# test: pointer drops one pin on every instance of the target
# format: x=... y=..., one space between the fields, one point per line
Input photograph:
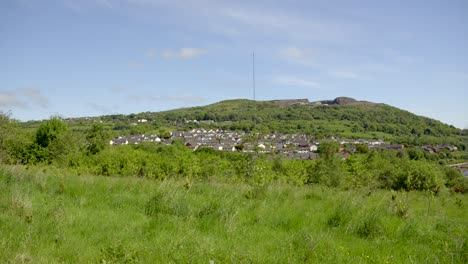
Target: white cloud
x=23 y=98
x=11 y=100
x=293 y=81
x=183 y=53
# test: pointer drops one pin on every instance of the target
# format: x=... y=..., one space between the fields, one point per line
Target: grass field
x=51 y=216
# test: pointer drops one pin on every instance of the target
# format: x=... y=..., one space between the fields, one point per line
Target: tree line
x=88 y=152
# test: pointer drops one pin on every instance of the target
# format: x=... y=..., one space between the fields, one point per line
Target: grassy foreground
x=49 y=216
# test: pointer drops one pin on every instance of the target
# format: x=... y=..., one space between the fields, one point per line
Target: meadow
x=51 y=215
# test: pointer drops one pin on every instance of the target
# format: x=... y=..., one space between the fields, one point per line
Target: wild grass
x=48 y=215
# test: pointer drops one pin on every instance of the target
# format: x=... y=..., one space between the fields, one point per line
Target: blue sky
x=92 y=57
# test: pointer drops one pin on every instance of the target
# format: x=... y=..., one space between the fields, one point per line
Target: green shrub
x=459 y=185
x=424 y=176
x=328 y=172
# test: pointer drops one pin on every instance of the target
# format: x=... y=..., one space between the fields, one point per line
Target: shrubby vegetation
x=89 y=153
x=52 y=215
x=346 y=121
x=67 y=190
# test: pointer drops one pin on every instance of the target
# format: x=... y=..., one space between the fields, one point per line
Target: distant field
x=50 y=216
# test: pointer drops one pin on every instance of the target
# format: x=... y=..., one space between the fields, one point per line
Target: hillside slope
x=342 y=117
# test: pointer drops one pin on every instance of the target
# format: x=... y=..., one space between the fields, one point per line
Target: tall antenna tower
x=253 y=74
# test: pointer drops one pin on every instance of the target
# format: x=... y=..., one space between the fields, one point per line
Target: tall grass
x=49 y=215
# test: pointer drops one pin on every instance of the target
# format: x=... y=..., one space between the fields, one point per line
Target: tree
x=362 y=148
x=52 y=139
x=327 y=149
x=97 y=138
x=13 y=141
x=164 y=133
x=50 y=131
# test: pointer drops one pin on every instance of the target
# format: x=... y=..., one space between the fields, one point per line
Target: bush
x=459 y=185
x=328 y=172
x=424 y=176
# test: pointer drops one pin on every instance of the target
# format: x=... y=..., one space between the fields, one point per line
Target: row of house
x=297 y=146
x=135 y=139
x=439 y=148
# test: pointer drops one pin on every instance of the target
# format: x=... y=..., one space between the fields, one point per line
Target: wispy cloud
x=24 y=98
x=293 y=81
x=298 y=55
x=98 y=108
x=234 y=18
x=183 y=53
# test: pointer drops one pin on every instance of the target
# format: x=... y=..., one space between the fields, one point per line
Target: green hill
x=342 y=117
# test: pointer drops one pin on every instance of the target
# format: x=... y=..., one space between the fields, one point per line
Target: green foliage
x=53 y=141
x=155 y=205
x=424 y=176
x=328 y=172
x=50 y=132
x=164 y=133
x=328 y=149
x=459 y=184
x=117 y=254
x=362 y=148
x=398 y=206
x=370 y=224
x=358 y=175
x=415 y=154
x=348 y=121
x=341 y=215
x=131 y=220
x=13 y=141
x=97 y=138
